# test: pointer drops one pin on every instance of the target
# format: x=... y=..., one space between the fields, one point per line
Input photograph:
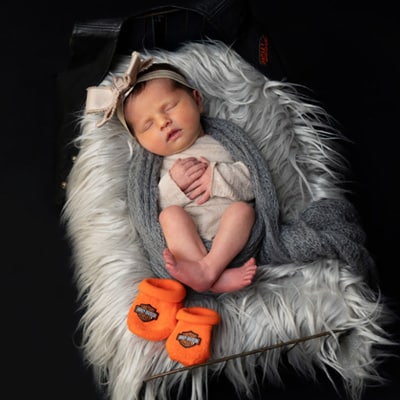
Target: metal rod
x=245 y=354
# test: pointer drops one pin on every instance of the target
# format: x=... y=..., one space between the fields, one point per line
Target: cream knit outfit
x=230 y=182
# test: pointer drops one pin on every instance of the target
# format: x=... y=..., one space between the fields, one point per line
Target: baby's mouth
x=173 y=134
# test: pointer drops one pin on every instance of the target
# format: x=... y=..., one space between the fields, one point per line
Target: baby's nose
x=164 y=121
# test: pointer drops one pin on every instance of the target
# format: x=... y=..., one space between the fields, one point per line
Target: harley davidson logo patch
x=146 y=312
x=188 y=339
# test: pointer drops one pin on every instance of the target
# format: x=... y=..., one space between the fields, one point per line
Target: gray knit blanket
x=326 y=228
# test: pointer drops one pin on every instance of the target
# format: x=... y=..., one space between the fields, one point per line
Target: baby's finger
x=194 y=190
x=194 y=185
x=196 y=169
x=203 y=198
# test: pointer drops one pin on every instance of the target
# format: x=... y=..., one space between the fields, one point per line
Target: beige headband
x=110 y=99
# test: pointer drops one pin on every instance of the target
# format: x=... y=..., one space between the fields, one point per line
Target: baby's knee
x=169 y=213
x=245 y=209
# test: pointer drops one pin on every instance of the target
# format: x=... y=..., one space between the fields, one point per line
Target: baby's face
x=164 y=119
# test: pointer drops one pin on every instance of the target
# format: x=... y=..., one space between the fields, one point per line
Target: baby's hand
x=186 y=171
x=201 y=186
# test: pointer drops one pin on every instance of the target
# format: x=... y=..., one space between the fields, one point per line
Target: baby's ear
x=198 y=98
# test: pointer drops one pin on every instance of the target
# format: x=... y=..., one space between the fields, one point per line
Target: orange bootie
x=189 y=343
x=152 y=315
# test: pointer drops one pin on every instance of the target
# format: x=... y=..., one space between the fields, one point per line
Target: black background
x=347 y=57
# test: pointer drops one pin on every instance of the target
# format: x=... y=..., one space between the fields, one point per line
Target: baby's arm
x=171 y=185
x=229 y=180
x=202 y=185
x=185 y=171
x=232 y=180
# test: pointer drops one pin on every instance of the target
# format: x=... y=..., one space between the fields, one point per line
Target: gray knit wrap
x=326 y=228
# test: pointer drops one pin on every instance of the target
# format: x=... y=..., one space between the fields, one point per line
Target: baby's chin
x=182 y=147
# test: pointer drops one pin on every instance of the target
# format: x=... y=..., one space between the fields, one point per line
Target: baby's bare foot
x=200 y=277
x=235 y=278
x=191 y=273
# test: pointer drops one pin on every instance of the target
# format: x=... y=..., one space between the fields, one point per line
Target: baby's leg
x=195 y=267
x=235 y=278
x=230 y=280
x=232 y=236
x=181 y=234
x=185 y=249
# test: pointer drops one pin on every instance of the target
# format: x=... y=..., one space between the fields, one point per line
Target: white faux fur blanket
x=282 y=304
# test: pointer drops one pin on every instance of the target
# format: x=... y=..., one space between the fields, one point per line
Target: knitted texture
x=327 y=228
x=152 y=314
x=189 y=343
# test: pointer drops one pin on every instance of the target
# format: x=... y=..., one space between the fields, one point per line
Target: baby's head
x=160 y=70
x=163 y=111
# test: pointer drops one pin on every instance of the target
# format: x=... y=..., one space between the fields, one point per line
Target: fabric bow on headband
x=110 y=98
